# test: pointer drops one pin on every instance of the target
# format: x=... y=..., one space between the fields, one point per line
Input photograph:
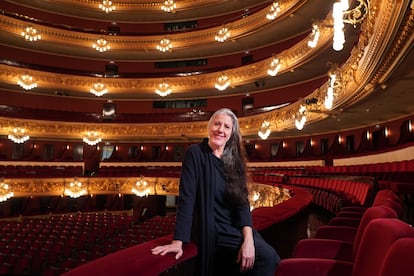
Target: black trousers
x=266 y=260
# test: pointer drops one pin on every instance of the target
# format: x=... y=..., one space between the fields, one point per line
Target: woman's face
x=220 y=130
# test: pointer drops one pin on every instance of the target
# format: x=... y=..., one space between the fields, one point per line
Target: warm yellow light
x=101 y=45
x=31 y=34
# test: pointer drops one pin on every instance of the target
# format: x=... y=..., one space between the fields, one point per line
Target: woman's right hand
x=175 y=246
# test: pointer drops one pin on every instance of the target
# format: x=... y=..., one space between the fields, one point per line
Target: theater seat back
x=399 y=260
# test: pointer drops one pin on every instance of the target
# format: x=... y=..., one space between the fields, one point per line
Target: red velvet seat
x=379 y=236
x=399 y=260
x=340 y=248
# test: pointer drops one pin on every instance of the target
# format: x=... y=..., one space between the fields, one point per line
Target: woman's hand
x=246 y=255
x=174 y=247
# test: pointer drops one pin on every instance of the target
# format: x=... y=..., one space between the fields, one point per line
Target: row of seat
x=28 y=171
x=358 y=241
x=60 y=243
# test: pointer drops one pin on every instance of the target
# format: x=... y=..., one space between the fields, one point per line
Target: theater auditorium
x=99 y=101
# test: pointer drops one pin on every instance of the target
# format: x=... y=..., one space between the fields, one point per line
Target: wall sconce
x=92 y=138
x=410 y=127
x=274 y=67
x=30 y=34
x=75 y=189
x=340 y=139
x=26 y=82
x=222 y=35
x=334 y=86
x=341 y=14
x=5 y=191
x=101 y=45
x=300 y=117
x=107 y=6
x=18 y=135
x=168 y=6
x=99 y=89
x=222 y=82
x=163 y=89
x=273 y=11
x=368 y=135
x=164 y=45
x=141 y=188
x=386 y=132
x=314 y=36
x=264 y=130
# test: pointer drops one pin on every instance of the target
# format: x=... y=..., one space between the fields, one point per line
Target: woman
x=213 y=208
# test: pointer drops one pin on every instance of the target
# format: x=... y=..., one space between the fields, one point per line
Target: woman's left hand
x=246 y=255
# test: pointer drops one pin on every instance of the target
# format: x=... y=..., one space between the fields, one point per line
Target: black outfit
x=205 y=217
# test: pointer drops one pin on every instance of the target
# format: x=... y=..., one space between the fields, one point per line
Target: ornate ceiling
x=374 y=70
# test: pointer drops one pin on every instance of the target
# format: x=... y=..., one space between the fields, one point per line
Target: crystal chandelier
x=222 y=82
x=18 y=135
x=107 y=6
x=99 y=89
x=274 y=67
x=168 y=6
x=163 y=89
x=141 y=188
x=300 y=118
x=31 y=34
x=222 y=35
x=5 y=192
x=26 y=82
x=264 y=130
x=101 y=45
x=75 y=189
x=273 y=11
x=341 y=14
x=165 y=45
x=92 y=138
x=314 y=36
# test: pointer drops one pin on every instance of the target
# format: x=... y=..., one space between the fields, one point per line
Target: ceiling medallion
x=31 y=34
x=222 y=35
x=101 y=45
x=99 y=89
x=222 y=82
x=107 y=6
x=163 y=89
x=273 y=11
x=26 y=82
x=168 y=6
x=165 y=45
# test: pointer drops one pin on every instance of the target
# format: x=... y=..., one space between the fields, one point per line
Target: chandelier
x=274 y=67
x=165 y=45
x=222 y=35
x=98 y=89
x=75 y=189
x=341 y=14
x=314 y=36
x=141 y=188
x=273 y=11
x=163 y=89
x=222 y=82
x=92 y=138
x=300 y=118
x=107 y=6
x=31 y=34
x=5 y=192
x=26 y=82
x=168 y=6
x=101 y=45
x=18 y=135
x=264 y=130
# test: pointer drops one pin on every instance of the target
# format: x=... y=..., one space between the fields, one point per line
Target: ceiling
x=375 y=64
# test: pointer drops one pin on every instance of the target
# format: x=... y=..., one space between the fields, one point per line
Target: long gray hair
x=234 y=160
